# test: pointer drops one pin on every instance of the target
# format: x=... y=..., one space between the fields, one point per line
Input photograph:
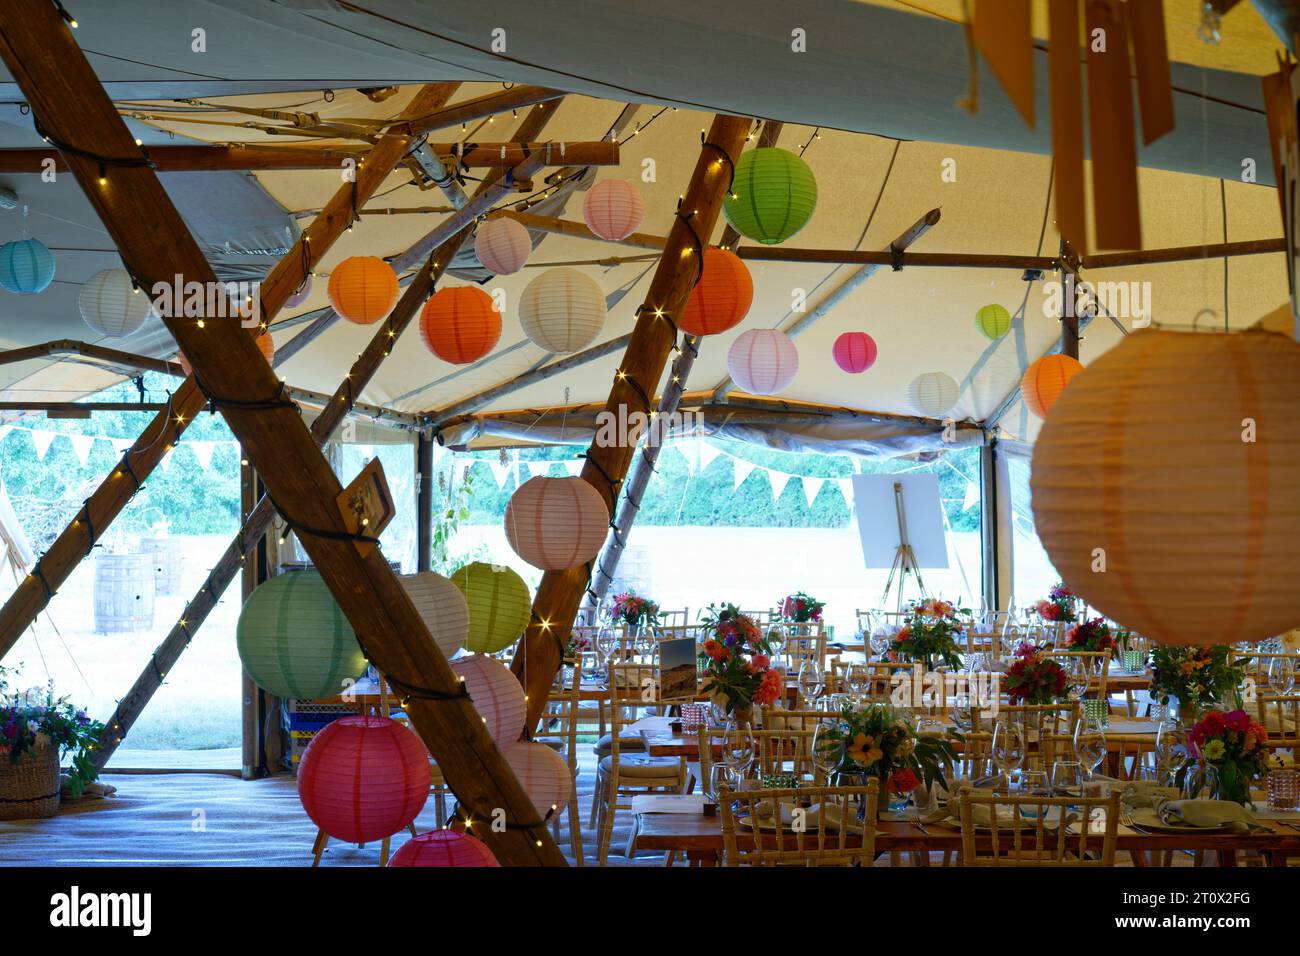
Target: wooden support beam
x=80 y=409
x=477 y=108
x=653 y=339
x=64 y=92
x=1069 y=318
x=1217 y=250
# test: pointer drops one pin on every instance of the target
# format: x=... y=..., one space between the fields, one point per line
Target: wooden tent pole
x=479 y=107
x=65 y=94
x=1069 y=317
x=653 y=339
x=139 y=461
x=423 y=501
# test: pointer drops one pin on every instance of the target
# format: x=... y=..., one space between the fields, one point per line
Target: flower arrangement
x=633 y=610
x=1234 y=745
x=801 y=608
x=1198 y=675
x=737 y=660
x=1090 y=635
x=928 y=634
x=1059 y=605
x=1034 y=678
x=578 y=644
x=35 y=718
x=880 y=741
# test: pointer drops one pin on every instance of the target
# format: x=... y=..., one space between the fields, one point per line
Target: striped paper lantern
x=993 y=321
x=26 y=266
x=1170 y=464
x=772 y=196
x=613 y=209
x=499 y=605
x=459 y=324
x=112 y=305
x=293 y=639
x=544 y=775
x=444 y=848
x=363 y=289
x=763 y=361
x=1045 y=380
x=562 y=310
x=497 y=695
x=441 y=606
x=721 y=298
x=556 y=523
x=364 y=778
x=300 y=295
x=264 y=342
x=933 y=394
x=855 y=352
x=502 y=246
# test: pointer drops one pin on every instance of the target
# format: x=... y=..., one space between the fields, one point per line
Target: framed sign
x=367 y=505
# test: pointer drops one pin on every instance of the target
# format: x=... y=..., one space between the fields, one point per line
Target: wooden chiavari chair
x=1279 y=714
x=832 y=836
x=1035 y=844
x=674 y=618
x=801 y=643
x=1097 y=664
x=558 y=729
x=1042 y=725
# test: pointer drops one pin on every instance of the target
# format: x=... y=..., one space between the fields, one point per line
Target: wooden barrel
x=124 y=592
x=168 y=564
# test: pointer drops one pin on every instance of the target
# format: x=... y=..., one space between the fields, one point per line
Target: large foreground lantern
x=112 y=304
x=763 y=361
x=562 y=310
x=497 y=696
x=363 y=289
x=613 y=209
x=1164 y=485
x=499 y=605
x=441 y=606
x=721 y=298
x=1045 y=380
x=772 y=196
x=543 y=774
x=556 y=523
x=459 y=324
x=933 y=394
x=444 y=848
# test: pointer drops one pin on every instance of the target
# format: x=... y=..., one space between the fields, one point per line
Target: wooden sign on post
x=367 y=505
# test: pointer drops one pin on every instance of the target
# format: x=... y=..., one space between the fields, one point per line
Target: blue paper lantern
x=26 y=266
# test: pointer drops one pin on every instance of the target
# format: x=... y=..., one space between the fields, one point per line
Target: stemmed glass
x=962 y=707
x=1076 y=678
x=827 y=750
x=1171 y=751
x=812 y=681
x=880 y=640
x=1008 y=748
x=606 y=642
x=1281 y=675
x=858 y=679
x=738 y=748
x=1090 y=745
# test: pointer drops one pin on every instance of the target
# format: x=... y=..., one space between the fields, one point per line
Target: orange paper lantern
x=1045 y=380
x=556 y=523
x=363 y=289
x=721 y=298
x=459 y=325
x=263 y=341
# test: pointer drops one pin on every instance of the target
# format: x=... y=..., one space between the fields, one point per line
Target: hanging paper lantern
x=993 y=321
x=459 y=324
x=442 y=608
x=854 y=352
x=1164 y=481
x=502 y=246
x=1045 y=380
x=300 y=295
x=363 y=289
x=556 y=523
x=364 y=778
x=444 y=848
x=763 y=361
x=497 y=695
x=26 y=266
x=293 y=639
x=722 y=296
x=933 y=394
x=562 y=310
x=263 y=342
x=543 y=774
x=499 y=605
x=613 y=209
x=112 y=305
x=772 y=197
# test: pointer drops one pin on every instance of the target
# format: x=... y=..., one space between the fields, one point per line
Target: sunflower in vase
x=880 y=741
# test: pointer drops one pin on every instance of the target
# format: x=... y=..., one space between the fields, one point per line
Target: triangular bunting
x=846 y=489
x=500 y=472
x=743 y=468
x=120 y=445
x=81 y=445
x=972 y=496
x=203 y=452
x=707 y=454
x=536 y=468
x=779 y=480
x=42 y=442
x=6 y=429
x=810 y=488
x=573 y=467
x=166 y=462
x=438 y=452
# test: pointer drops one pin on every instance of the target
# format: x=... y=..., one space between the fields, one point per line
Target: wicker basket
x=30 y=788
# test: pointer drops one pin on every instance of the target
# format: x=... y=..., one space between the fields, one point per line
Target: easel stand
x=904 y=558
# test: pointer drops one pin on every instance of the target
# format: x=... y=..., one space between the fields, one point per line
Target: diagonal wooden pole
x=139 y=461
x=65 y=94
x=653 y=339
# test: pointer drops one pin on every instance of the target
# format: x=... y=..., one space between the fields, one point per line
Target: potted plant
x=737 y=662
x=929 y=633
x=1233 y=746
x=1188 y=679
x=1034 y=678
x=801 y=608
x=1059 y=607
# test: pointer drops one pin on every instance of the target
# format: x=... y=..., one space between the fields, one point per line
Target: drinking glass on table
x=606 y=642
x=880 y=639
x=827 y=750
x=812 y=681
x=1090 y=745
x=1033 y=783
x=738 y=749
x=720 y=774
x=1076 y=677
x=1067 y=778
x=1171 y=750
x=1281 y=675
x=962 y=710
x=858 y=678
x=1008 y=747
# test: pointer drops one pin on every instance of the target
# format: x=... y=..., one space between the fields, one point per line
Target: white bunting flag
x=536 y=468
x=120 y=445
x=779 y=480
x=743 y=468
x=438 y=452
x=573 y=467
x=810 y=488
x=707 y=454
x=166 y=462
x=5 y=430
x=500 y=472
x=81 y=445
x=42 y=442
x=203 y=452
x=972 y=496
x=846 y=489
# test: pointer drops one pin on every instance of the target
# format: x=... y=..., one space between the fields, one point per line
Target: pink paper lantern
x=556 y=523
x=763 y=361
x=543 y=774
x=497 y=696
x=364 y=778
x=613 y=209
x=854 y=352
x=502 y=246
x=444 y=848
x=299 y=296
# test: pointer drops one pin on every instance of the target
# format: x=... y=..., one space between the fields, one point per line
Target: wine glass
x=812 y=681
x=962 y=707
x=858 y=678
x=1281 y=675
x=1201 y=781
x=606 y=642
x=1076 y=677
x=1008 y=748
x=1067 y=778
x=1171 y=750
x=880 y=638
x=827 y=750
x=720 y=774
x=738 y=748
x=1034 y=783
x=1090 y=745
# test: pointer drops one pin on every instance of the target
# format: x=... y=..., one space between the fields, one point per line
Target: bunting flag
x=500 y=472
x=810 y=488
x=42 y=442
x=574 y=467
x=203 y=452
x=536 y=468
x=779 y=480
x=120 y=445
x=743 y=469
x=706 y=453
x=846 y=489
x=166 y=462
x=972 y=496
x=81 y=445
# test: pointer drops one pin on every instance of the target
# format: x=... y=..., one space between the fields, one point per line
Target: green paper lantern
x=993 y=321
x=772 y=197
x=499 y=605
x=293 y=639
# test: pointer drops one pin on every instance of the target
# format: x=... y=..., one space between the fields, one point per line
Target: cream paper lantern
x=502 y=246
x=613 y=209
x=544 y=775
x=556 y=523
x=763 y=361
x=1164 y=485
x=932 y=394
x=562 y=310
x=497 y=695
x=111 y=305
x=442 y=607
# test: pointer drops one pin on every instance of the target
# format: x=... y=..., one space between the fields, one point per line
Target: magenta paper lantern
x=364 y=778
x=502 y=246
x=854 y=352
x=300 y=295
x=544 y=775
x=763 y=361
x=613 y=209
x=444 y=848
x=556 y=523
x=496 y=694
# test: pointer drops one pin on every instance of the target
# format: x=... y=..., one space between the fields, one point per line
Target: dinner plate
x=1145 y=818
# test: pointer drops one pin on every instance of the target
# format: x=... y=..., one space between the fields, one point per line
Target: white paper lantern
x=111 y=305
x=442 y=607
x=556 y=523
x=763 y=361
x=562 y=310
x=543 y=774
x=502 y=246
x=933 y=394
x=497 y=695
x=613 y=209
